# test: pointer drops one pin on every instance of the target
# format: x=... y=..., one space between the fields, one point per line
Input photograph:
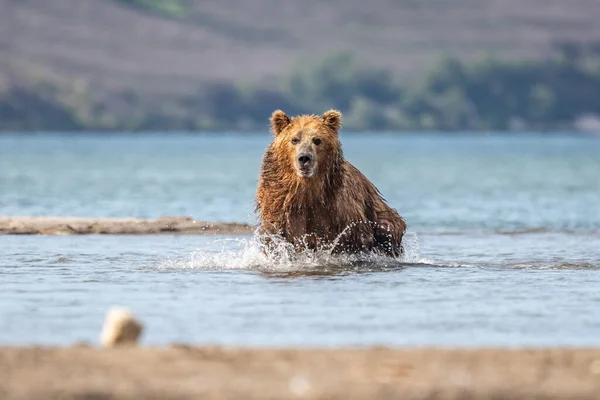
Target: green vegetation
x=485 y=95
x=488 y=94
x=168 y=8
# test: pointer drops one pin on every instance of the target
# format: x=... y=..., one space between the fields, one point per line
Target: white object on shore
x=120 y=328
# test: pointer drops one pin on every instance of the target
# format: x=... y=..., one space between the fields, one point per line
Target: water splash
x=248 y=253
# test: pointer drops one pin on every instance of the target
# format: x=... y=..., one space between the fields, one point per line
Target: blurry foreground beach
x=182 y=372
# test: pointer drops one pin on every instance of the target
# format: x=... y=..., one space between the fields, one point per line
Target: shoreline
x=185 y=372
x=117 y=226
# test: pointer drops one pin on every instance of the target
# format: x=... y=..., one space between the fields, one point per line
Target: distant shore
x=186 y=372
x=117 y=226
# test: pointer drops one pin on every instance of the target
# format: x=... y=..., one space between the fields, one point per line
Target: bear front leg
x=388 y=240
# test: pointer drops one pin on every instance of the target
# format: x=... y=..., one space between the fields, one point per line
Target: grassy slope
x=105 y=42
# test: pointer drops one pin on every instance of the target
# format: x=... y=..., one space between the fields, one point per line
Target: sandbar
x=118 y=226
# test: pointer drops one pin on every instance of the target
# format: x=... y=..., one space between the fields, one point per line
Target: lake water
x=503 y=244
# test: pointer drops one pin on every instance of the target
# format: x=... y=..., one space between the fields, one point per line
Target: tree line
x=488 y=94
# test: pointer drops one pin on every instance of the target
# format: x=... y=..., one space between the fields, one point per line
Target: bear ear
x=333 y=119
x=279 y=120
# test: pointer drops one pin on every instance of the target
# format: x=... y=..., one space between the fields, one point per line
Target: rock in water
x=120 y=328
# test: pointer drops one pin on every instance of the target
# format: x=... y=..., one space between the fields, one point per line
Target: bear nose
x=304 y=159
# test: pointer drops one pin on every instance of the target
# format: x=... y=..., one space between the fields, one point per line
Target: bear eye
x=295 y=141
x=317 y=141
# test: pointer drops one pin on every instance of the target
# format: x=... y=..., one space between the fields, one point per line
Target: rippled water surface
x=503 y=248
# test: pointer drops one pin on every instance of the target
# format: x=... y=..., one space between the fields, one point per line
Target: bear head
x=309 y=142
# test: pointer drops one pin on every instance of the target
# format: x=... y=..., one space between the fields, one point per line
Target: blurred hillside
x=167 y=64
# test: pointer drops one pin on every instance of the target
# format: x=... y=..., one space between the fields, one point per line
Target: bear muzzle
x=305 y=165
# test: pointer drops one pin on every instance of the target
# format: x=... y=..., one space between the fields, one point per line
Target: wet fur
x=312 y=213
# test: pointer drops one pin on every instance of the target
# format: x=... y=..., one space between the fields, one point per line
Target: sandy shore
x=182 y=372
x=116 y=226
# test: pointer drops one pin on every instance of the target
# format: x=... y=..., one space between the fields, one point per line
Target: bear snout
x=304 y=159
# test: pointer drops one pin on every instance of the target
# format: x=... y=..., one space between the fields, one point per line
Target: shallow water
x=503 y=249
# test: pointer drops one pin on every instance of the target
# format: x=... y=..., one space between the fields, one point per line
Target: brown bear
x=315 y=199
